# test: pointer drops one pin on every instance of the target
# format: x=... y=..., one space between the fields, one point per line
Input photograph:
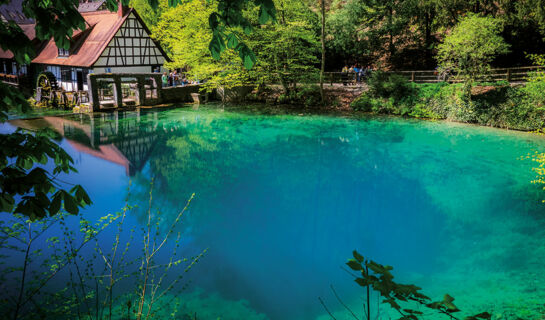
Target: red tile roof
x=29 y=31
x=87 y=47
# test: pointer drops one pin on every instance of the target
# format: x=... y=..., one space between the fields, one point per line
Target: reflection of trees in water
x=218 y=155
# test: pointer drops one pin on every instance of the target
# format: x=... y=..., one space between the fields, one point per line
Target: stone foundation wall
x=179 y=94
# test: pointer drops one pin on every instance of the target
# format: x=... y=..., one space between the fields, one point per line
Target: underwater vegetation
x=449 y=205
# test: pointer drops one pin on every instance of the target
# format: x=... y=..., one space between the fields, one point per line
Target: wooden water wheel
x=47 y=83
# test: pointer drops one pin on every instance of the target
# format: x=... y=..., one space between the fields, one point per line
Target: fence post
x=413 y=76
x=508 y=74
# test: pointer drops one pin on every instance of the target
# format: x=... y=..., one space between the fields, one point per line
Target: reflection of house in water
x=122 y=137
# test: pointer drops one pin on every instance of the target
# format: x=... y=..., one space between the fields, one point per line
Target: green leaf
x=70 y=203
x=448 y=298
x=174 y=3
x=213 y=21
x=434 y=305
x=354 y=265
x=482 y=315
x=216 y=46
x=6 y=202
x=412 y=311
x=247 y=29
x=55 y=204
x=232 y=41
x=362 y=282
x=263 y=16
x=154 y=4
x=392 y=303
x=82 y=195
x=357 y=256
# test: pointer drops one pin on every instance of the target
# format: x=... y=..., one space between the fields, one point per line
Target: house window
x=85 y=72
x=63 y=52
x=66 y=74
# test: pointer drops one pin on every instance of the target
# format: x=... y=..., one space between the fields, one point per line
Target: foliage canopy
x=471 y=46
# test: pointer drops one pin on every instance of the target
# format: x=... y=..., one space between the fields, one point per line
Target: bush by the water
x=495 y=104
x=307 y=95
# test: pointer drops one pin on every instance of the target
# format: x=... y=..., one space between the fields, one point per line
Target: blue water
x=282 y=200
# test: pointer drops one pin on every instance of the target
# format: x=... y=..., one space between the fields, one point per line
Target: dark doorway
x=9 y=67
x=79 y=79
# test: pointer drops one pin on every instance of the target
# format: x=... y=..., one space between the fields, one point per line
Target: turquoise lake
x=282 y=200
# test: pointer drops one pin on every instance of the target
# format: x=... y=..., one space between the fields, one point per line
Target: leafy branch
x=379 y=278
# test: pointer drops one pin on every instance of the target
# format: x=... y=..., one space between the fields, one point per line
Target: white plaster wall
x=139 y=69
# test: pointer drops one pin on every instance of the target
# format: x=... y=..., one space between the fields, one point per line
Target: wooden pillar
x=413 y=76
x=92 y=88
x=118 y=94
x=509 y=74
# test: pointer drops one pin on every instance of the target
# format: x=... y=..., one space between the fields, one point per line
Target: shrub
x=362 y=103
x=534 y=90
x=309 y=95
x=499 y=104
x=384 y=85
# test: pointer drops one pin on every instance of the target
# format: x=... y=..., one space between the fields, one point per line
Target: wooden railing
x=9 y=79
x=519 y=74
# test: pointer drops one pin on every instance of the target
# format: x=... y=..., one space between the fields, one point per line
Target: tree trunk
x=322 y=38
x=391 y=46
x=427 y=39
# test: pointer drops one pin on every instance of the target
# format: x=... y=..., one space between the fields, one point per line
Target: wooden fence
x=519 y=74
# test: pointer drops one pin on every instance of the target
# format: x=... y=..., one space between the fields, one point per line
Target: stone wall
x=179 y=94
x=145 y=82
x=236 y=94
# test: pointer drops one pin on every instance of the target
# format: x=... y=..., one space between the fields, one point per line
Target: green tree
x=285 y=51
x=288 y=50
x=183 y=31
x=370 y=28
x=27 y=188
x=146 y=12
x=470 y=48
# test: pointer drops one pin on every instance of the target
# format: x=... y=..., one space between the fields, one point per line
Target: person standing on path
x=344 y=75
x=164 y=79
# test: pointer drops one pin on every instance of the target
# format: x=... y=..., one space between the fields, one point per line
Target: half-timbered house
x=112 y=42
